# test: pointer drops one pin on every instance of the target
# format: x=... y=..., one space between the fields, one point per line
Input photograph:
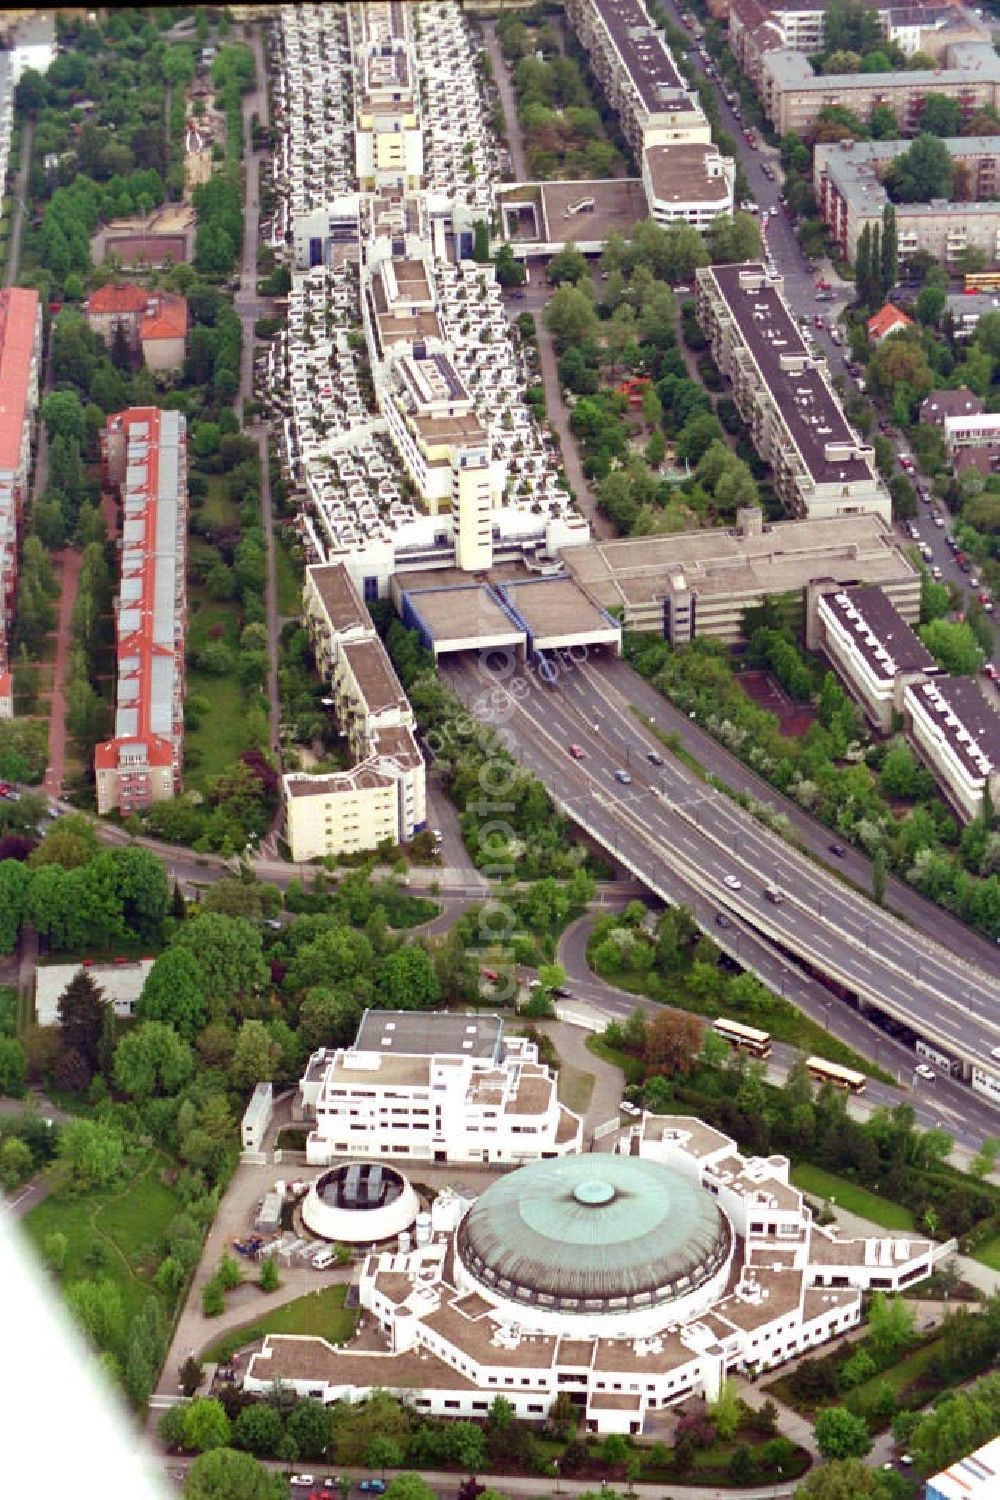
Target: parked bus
x=842 y=1078
x=982 y=281
x=744 y=1038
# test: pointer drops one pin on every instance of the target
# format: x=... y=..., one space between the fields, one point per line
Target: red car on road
x=577 y=751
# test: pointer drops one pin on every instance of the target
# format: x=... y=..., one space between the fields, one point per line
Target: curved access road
x=689 y=843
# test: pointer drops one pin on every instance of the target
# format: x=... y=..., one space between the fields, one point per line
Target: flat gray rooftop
x=552 y=607
x=788 y=555
x=462 y=614
x=419 y=1034
x=619 y=203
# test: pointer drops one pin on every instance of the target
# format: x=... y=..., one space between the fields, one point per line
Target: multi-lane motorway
x=688 y=842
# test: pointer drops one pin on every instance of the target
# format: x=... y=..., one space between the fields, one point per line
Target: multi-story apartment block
x=388 y=138
x=957 y=732
x=757 y=27
x=445 y=448
x=434 y=1088
x=635 y=67
x=886 y=667
x=685 y=178
x=154 y=322
x=848 y=181
x=20 y=355
x=382 y=798
x=687 y=184
x=793 y=96
x=819 y=464
x=872 y=647
x=145 y=458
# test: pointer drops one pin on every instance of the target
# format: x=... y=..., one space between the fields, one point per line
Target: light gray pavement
x=571 y=1044
x=501 y=74
x=18 y=190
x=558 y=415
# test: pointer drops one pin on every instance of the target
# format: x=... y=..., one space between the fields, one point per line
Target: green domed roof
x=594 y=1233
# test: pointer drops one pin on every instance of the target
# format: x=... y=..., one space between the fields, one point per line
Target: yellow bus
x=744 y=1038
x=982 y=281
x=841 y=1078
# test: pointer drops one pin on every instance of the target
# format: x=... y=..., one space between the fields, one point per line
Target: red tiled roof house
x=155 y=323
x=145 y=456
x=887 y=320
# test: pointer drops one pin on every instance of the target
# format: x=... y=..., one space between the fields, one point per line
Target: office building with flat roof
x=848 y=179
x=697 y=583
x=820 y=466
x=145 y=457
x=687 y=183
x=966 y=308
x=20 y=357
x=437 y=1087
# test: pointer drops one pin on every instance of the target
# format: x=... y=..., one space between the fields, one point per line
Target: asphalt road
x=800 y=292
x=683 y=839
x=943 y=1107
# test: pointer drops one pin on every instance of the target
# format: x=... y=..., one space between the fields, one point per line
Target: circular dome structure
x=589 y=1236
x=359 y=1202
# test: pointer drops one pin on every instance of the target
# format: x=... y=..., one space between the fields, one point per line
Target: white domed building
x=629 y=1280
x=360 y=1203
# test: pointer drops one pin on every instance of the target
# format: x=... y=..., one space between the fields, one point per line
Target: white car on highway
x=731 y=883
x=923 y=1071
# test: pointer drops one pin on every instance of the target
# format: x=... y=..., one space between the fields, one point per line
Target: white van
x=323 y=1260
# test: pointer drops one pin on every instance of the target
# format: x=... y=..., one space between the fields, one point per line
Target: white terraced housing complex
x=400 y=396
x=685 y=177
x=820 y=466
x=449 y=1332
x=447 y=382
x=434 y=1087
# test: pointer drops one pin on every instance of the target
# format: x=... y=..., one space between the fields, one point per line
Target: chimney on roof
x=749 y=522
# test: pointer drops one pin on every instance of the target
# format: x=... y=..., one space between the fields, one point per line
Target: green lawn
x=855 y=1199
x=127 y=1225
x=221 y=735
x=289 y=590
x=575 y=1088
x=217 y=506
x=988 y=1254
x=900 y=1378
x=321 y=1314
